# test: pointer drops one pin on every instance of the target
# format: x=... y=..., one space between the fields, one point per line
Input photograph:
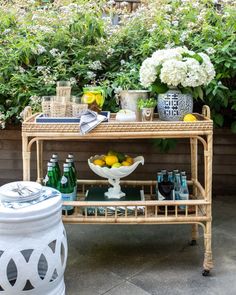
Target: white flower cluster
x=96 y=65
x=91 y=75
x=54 y=52
x=72 y=81
x=177 y=66
x=39 y=49
x=2 y=121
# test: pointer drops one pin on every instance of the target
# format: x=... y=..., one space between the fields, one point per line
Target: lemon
x=99 y=162
x=116 y=165
x=89 y=98
x=129 y=160
x=125 y=163
x=99 y=99
x=110 y=160
x=189 y=118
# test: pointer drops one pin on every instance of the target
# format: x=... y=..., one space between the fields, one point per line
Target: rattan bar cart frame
x=197 y=211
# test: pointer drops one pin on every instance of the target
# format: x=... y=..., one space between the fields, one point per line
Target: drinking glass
x=46 y=105
x=64 y=89
x=77 y=106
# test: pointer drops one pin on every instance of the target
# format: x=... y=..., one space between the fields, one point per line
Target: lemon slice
x=89 y=98
x=99 y=99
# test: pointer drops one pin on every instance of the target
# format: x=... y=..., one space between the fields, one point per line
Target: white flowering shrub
x=77 y=41
x=176 y=67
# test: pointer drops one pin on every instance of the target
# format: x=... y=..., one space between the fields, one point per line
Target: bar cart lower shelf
x=197 y=211
x=146 y=211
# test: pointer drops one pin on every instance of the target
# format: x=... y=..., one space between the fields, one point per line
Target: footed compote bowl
x=114 y=174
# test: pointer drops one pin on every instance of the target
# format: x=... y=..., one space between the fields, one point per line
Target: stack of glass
x=63 y=104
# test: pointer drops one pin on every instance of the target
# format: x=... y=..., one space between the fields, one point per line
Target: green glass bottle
x=72 y=159
x=66 y=188
x=50 y=179
x=73 y=177
x=55 y=159
x=72 y=169
x=56 y=167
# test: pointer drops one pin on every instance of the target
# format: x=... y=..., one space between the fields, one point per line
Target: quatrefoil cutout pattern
x=17 y=271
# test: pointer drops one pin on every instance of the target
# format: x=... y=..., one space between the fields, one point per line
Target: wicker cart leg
x=26 y=159
x=208 y=263
x=39 y=149
x=195 y=235
x=194 y=176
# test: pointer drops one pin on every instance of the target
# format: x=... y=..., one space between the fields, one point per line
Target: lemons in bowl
x=113 y=160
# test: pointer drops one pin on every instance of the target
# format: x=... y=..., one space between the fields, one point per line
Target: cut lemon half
x=89 y=98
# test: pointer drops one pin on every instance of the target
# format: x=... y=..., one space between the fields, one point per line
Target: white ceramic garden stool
x=33 y=249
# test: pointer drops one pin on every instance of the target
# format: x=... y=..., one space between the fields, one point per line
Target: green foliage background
x=81 y=33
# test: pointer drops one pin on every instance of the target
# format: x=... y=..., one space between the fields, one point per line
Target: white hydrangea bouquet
x=177 y=67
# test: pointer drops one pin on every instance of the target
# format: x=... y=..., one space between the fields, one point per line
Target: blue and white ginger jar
x=174 y=105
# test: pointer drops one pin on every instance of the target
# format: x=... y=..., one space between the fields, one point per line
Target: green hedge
x=40 y=45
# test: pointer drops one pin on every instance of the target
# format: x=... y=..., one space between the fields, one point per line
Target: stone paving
x=152 y=259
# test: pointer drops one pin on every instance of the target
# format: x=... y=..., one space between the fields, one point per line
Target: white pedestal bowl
x=114 y=174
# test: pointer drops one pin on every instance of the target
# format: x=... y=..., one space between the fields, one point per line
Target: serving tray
x=43 y=119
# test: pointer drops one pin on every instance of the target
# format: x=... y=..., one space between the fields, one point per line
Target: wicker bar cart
x=195 y=211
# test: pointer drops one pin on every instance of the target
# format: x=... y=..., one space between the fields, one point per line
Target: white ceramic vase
x=174 y=105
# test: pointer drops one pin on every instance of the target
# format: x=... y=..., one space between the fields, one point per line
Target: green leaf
x=195 y=56
x=159 y=88
x=219 y=119
x=233 y=127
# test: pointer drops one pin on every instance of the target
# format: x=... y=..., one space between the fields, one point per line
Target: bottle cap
x=54 y=156
x=70 y=156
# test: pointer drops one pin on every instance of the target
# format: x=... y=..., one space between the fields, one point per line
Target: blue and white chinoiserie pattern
x=174 y=105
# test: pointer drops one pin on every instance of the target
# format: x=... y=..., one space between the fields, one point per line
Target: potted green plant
x=128 y=87
x=146 y=106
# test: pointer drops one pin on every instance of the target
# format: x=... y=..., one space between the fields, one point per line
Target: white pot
x=147 y=114
x=129 y=99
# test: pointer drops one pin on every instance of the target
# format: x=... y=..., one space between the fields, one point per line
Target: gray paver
x=156 y=260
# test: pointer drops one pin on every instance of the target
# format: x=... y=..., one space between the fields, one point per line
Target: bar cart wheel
x=193 y=243
x=206 y=273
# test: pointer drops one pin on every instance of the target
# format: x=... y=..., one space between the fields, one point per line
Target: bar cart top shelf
x=114 y=129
